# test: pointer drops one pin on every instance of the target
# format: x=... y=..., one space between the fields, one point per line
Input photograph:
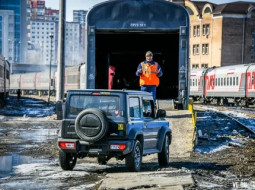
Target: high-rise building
x=80 y=16
x=20 y=27
x=37 y=9
x=51 y=14
x=42 y=50
x=7 y=42
x=73 y=54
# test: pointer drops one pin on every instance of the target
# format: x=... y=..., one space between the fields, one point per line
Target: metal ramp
x=165 y=104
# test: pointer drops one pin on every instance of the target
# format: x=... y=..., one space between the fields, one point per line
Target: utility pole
x=51 y=37
x=61 y=51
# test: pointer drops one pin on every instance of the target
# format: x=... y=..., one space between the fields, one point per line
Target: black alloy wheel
x=134 y=159
x=67 y=160
x=163 y=156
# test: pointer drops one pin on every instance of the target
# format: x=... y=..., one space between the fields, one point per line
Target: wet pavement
x=29 y=155
x=27 y=107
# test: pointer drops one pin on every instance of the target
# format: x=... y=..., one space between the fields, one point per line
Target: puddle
x=39 y=135
x=8 y=162
x=14 y=159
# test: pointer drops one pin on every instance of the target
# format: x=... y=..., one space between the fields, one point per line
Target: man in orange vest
x=149 y=72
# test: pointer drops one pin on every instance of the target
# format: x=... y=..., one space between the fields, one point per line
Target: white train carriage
x=14 y=83
x=28 y=83
x=250 y=92
x=72 y=78
x=226 y=81
x=2 y=78
x=197 y=83
x=42 y=83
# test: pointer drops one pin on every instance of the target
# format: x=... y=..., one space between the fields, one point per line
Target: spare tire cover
x=91 y=125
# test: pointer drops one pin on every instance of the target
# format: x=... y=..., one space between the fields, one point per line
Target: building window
x=196 y=49
x=205 y=49
x=195 y=66
x=196 y=30
x=206 y=29
x=204 y=65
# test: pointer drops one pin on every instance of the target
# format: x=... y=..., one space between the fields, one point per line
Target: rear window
x=108 y=104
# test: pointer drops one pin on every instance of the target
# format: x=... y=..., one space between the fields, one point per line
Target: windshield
x=108 y=104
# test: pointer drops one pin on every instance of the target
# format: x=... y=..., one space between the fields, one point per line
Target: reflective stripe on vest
x=149 y=75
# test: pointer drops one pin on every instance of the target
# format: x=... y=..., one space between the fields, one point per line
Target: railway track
x=216 y=129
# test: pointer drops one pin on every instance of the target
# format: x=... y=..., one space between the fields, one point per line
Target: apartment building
x=222 y=34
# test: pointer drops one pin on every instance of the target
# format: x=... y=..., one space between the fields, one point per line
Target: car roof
x=130 y=92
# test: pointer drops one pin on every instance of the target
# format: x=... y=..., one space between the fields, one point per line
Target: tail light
x=67 y=145
x=118 y=146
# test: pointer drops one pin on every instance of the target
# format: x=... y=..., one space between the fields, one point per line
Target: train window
x=237 y=81
x=224 y=81
x=234 y=80
x=230 y=81
x=252 y=79
x=1 y=71
x=218 y=81
x=7 y=75
x=193 y=82
x=221 y=81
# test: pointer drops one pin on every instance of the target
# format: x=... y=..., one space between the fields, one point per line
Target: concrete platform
x=182 y=133
x=145 y=180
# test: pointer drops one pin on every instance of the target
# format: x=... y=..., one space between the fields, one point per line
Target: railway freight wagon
x=4 y=79
x=120 y=32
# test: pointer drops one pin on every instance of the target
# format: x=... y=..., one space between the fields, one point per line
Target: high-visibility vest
x=149 y=75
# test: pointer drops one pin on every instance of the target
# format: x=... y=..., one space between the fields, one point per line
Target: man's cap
x=148 y=53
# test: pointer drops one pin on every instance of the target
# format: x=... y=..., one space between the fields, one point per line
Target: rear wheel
x=163 y=156
x=102 y=160
x=134 y=159
x=67 y=160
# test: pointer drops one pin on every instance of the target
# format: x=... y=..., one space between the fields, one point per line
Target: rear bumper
x=96 y=149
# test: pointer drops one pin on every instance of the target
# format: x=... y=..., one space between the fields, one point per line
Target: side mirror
x=161 y=113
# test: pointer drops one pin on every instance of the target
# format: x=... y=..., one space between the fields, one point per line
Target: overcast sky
x=87 y=4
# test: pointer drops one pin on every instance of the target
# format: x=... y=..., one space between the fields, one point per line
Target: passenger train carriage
x=224 y=85
x=4 y=79
x=38 y=83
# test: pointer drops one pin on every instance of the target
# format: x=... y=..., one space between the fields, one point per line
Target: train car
x=197 y=83
x=118 y=33
x=72 y=78
x=4 y=79
x=14 y=83
x=28 y=83
x=42 y=83
x=250 y=92
x=224 y=85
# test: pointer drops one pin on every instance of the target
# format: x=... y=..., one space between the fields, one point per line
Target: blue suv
x=123 y=124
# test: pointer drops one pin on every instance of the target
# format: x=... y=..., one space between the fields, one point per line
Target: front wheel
x=67 y=160
x=134 y=159
x=163 y=156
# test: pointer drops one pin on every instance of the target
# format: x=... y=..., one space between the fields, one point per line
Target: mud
x=35 y=138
